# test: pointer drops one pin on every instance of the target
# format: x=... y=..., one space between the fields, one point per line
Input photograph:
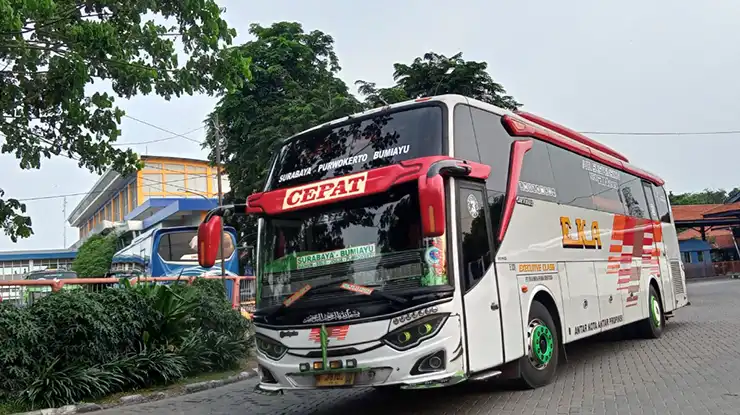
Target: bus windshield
x=373 y=241
x=182 y=247
x=382 y=140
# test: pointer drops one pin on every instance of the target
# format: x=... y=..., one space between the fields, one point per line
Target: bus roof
x=549 y=131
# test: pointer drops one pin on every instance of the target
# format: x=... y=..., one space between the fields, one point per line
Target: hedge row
x=76 y=345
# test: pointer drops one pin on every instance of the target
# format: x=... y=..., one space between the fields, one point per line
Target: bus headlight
x=270 y=348
x=412 y=334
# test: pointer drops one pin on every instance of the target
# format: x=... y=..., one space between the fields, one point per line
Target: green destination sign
x=336 y=257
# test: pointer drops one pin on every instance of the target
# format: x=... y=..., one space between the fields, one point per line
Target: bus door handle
x=494 y=306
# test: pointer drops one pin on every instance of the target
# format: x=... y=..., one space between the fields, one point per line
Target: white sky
x=662 y=65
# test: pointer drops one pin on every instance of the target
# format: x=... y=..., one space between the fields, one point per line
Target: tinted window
x=494 y=144
x=379 y=141
x=536 y=180
x=652 y=209
x=464 y=136
x=633 y=197
x=572 y=181
x=662 y=204
x=604 y=186
x=183 y=246
x=476 y=251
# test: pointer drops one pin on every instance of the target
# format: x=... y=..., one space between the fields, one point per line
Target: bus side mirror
x=432 y=205
x=209 y=238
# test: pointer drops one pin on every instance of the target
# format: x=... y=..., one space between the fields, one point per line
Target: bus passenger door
x=478 y=284
x=658 y=260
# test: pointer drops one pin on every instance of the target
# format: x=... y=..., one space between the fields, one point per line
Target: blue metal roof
x=37 y=254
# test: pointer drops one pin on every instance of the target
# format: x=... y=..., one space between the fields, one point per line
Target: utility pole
x=217 y=127
x=64 y=222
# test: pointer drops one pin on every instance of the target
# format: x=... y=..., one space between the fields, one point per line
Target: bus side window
x=633 y=196
x=662 y=203
x=572 y=180
x=536 y=180
x=480 y=136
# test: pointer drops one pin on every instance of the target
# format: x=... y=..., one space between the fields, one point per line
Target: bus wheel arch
x=652 y=327
x=543 y=342
x=544 y=297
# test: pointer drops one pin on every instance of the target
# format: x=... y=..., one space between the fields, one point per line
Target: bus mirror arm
x=432 y=194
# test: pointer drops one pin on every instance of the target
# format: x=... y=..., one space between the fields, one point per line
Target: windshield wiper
x=302 y=292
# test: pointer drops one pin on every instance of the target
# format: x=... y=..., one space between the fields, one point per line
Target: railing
x=25 y=292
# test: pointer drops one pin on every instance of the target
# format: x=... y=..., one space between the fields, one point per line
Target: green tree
x=294 y=86
x=706 y=197
x=94 y=256
x=52 y=51
x=435 y=74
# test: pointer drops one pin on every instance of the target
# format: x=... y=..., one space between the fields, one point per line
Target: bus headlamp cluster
x=412 y=334
x=270 y=348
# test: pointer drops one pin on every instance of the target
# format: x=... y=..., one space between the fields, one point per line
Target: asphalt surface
x=694 y=368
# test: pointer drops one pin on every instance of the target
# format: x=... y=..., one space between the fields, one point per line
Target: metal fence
x=24 y=292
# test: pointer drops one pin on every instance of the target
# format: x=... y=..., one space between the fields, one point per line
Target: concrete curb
x=83 y=408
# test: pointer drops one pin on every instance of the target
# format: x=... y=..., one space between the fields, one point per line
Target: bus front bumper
x=381 y=366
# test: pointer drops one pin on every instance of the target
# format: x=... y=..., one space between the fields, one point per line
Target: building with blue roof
x=167 y=192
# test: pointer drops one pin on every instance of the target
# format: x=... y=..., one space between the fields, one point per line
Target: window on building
x=700 y=256
x=124 y=203
x=152 y=166
x=573 y=182
x=197 y=180
x=686 y=257
x=536 y=180
x=116 y=208
x=174 y=182
x=108 y=211
x=633 y=197
x=132 y=195
x=152 y=183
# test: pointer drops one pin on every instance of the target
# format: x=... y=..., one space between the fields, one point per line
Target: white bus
x=445 y=240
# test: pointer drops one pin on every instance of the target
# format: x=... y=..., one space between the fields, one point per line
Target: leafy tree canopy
x=294 y=86
x=435 y=74
x=705 y=197
x=94 y=256
x=51 y=52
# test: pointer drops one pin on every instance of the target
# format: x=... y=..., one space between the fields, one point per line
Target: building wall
x=161 y=177
x=14 y=269
x=695 y=251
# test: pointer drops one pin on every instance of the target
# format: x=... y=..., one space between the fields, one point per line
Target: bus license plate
x=335 y=379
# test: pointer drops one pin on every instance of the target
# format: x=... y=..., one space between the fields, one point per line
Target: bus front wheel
x=539 y=364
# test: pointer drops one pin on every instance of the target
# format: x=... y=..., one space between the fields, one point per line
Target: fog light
x=304 y=367
x=335 y=364
x=318 y=365
x=351 y=364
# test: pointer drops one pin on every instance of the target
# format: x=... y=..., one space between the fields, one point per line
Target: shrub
x=75 y=345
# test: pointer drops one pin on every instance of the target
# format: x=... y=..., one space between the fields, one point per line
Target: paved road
x=693 y=369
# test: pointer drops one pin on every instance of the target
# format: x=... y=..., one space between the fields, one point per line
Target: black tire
x=533 y=372
x=652 y=327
